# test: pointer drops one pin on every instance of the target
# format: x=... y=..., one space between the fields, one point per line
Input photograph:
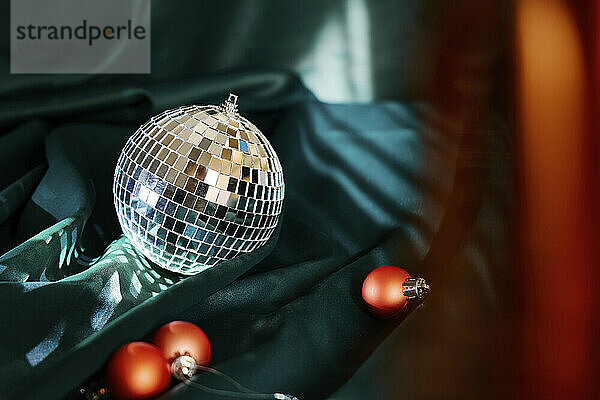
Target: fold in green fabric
x=365 y=187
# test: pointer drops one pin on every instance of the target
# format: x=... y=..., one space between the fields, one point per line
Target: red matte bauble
x=179 y=338
x=382 y=291
x=137 y=371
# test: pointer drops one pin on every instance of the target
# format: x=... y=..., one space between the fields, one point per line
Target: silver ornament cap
x=184 y=367
x=197 y=185
x=415 y=288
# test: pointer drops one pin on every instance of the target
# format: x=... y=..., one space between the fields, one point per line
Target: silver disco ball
x=197 y=185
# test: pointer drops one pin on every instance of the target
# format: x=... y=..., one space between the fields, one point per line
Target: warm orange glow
x=552 y=131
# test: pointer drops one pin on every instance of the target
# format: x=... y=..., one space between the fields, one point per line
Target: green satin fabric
x=365 y=186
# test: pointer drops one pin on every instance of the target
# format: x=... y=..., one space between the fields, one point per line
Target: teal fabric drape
x=365 y=186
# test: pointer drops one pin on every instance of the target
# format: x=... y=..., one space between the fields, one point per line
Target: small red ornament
x=180 y=338
x=382 y=290
x=137 y=371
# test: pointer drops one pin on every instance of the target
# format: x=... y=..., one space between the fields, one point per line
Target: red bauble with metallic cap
x=180 y=338
x=383 y=292
x=137 y=371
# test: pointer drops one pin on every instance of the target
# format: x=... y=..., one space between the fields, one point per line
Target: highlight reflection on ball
x=137 y=370
x=197 y=185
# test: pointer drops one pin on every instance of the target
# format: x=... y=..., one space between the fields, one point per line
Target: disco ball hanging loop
x=197 y=185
